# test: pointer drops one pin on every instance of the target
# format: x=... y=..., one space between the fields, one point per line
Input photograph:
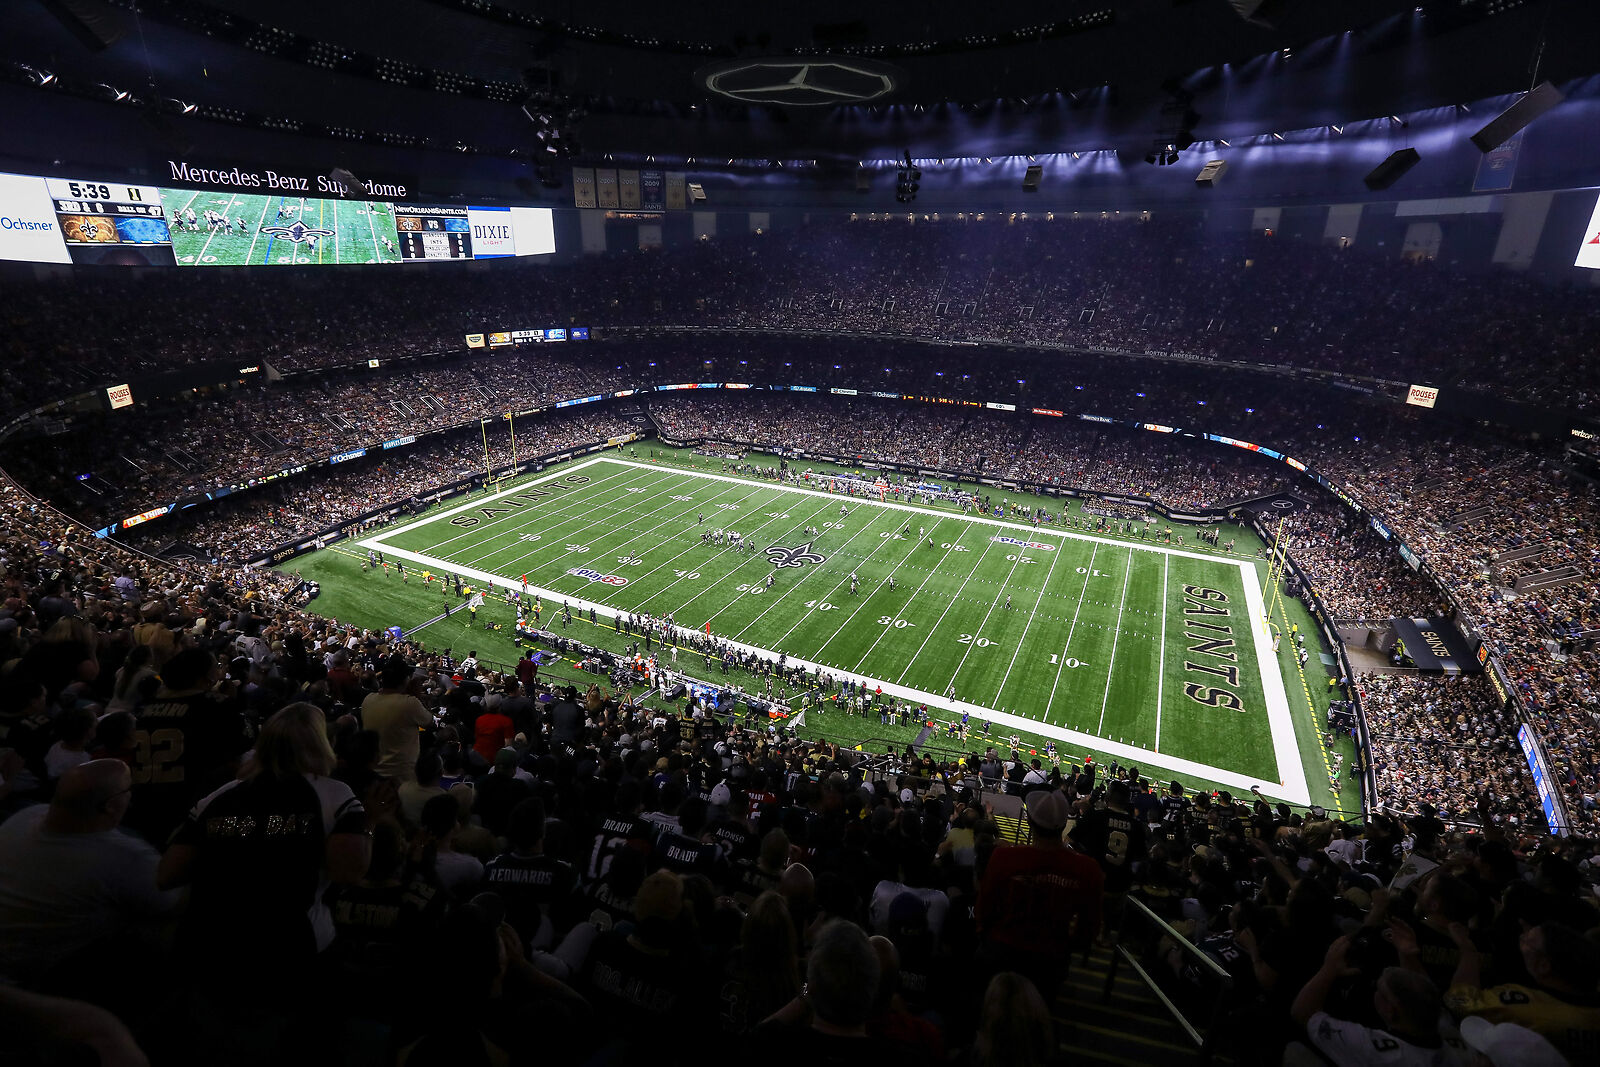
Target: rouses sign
x=120 y=396
x=1423 y=396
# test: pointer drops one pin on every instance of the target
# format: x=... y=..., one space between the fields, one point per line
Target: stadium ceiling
x=956 y=78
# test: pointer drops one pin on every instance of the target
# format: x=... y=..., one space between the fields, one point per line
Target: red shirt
x=493 y=732
x=1040 y=900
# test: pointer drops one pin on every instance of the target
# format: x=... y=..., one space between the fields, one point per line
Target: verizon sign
x=1424 y=396
x=120 y=396
x=1589 y=250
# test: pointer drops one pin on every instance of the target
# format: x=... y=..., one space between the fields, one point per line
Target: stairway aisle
x=1130 y=1029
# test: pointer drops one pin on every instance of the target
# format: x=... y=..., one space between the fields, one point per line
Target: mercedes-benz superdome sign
x=812 y=81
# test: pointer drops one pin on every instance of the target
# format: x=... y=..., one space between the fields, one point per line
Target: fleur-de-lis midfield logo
x=297 y=231
x=797 y=556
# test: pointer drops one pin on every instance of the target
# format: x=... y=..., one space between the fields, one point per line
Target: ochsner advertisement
x=28 y=227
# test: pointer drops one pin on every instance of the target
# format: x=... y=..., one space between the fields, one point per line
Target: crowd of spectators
x=232 y=436
x=242 y=526
x=1354 y=572
x=1124 y=284
x=236 y=832
x=1448 y=743
x=989 y=443
x=1369 y=447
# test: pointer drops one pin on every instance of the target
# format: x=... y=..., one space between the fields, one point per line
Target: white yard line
x=1087 y=577
x=1293 y=785
x=864 y=528
x=483 y=501
x=834 y=499
x=978 y=631
x=976 y=564
x=266 y=205
x=377 y=253
x=1027 y=528
x=477 y=502
x=1162 y=669
x=606 y=521
x=561 y=537
x=211 y=234
x=575 y=510
x=1111 y=667
x=879 y=589
x=931 y=572
x=711 y=585
x=1027 y=625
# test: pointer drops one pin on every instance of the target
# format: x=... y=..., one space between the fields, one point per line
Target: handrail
x=1182 y=942
x=1222 y=990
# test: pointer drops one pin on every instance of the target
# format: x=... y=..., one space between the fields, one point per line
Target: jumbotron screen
x=94 y=221
x=1589 y=250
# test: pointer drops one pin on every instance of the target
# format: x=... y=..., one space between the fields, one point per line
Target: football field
x=1148 y=651
x=278 y=229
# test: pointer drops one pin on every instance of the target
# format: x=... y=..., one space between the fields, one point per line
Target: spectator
x=828 y=1023
x=189 y=740
x=1039 y=902
x=1015 y=1028
x=72 y=885
x=260 y=854
x=1559 y=1003
x=455 y=871
x=1406 y=1003
x=423 y=787
x=397 y=715
x=493 y=730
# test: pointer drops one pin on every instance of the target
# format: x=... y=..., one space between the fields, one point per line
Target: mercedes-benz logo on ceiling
x=816 y=81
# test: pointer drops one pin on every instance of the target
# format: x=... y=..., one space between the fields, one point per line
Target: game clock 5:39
x=110 y=222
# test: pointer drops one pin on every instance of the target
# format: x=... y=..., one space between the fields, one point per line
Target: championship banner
x=605 y=182
x=628 y=189
x=1434 y=644
x=1497 y=170
x=677 y=190
x=652 y=191
x=583 y=192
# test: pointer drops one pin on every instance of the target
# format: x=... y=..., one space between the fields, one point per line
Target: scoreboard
x=111 y=223
x=79 y=220
x=433 y=232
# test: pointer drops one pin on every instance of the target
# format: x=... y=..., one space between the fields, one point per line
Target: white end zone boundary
x=1292 y=788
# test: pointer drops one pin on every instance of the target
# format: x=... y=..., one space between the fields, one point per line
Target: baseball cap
x=1509 y=1045
x=907 y=796
x=1047 y=809
x=721 y=795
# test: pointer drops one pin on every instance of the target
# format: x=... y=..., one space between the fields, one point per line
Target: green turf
x=1092 y=622
x=943 y=595
x=355 y=226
